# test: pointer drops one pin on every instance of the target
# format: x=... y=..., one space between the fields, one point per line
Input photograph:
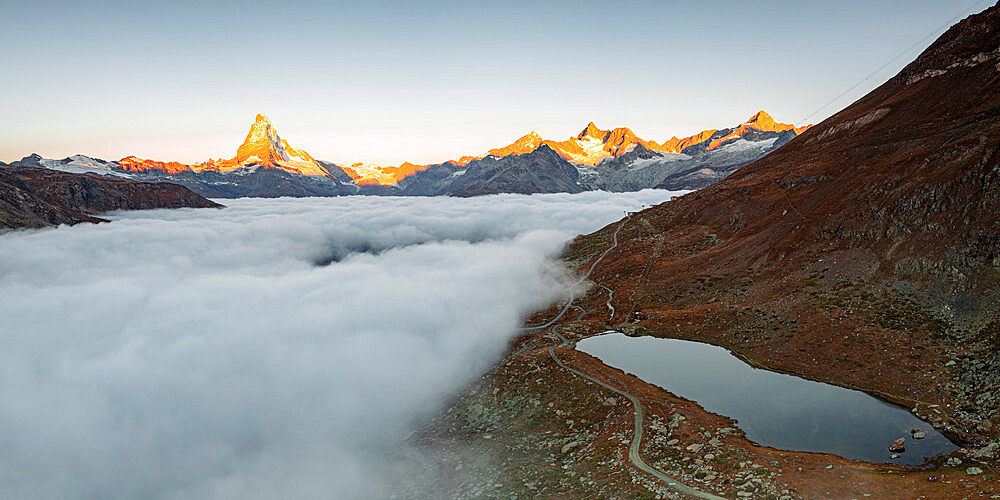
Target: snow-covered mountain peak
x=262 y=142
x=263 y=146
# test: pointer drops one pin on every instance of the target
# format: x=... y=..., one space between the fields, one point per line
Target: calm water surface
x=774 y=409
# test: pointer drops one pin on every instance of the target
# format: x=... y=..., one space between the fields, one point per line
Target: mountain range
x=616 y=160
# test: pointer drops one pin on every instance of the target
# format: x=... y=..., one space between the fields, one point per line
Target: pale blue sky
x=386 y=82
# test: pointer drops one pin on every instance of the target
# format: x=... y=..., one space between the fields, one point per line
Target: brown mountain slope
x=38 y=197
x=865 y=252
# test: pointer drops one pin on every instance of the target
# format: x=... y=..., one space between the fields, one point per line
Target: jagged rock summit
x=591 y=130
x=264 y=147
x=760 y=122
x=593 y=144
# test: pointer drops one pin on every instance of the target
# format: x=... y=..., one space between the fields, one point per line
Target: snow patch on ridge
x=648 y=162
x=744 y=145
x=80 y=164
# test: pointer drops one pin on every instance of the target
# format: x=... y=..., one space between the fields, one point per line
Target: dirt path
x=639 y=412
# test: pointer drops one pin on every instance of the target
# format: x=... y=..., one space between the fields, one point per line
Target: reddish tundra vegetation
x=864 y=253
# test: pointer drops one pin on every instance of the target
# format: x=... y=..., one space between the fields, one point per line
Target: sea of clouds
x=272 y=349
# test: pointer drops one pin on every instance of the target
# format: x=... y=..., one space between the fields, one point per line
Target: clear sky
x=385 y=82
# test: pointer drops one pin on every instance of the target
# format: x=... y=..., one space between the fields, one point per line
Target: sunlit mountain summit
x=614 y=159
x=263 y=147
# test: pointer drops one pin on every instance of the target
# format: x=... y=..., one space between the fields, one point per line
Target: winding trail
x=569 y=301
x=639 y=411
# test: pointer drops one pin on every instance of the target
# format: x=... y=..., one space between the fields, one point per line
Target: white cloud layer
x=204 y=353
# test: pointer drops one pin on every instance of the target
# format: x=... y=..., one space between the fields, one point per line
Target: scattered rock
x=950 y=364
x=987 y=452
x=709 y=456
x=695 y=448
x=918 y=435
x=954 y=462
x=973 y=471
x=898 y=445
x=673 y=442
x=569 y=446
x=610 y=402
x=894 y=455
x=676 y=419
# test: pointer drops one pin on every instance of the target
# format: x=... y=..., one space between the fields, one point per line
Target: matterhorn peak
x=262 y=143
x=264 y=147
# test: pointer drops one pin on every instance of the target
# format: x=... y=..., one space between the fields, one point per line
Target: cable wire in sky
x=894 y=59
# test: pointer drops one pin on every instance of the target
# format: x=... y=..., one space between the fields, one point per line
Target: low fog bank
x=276 y=348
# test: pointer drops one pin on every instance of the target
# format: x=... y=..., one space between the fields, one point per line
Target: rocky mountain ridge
x=266 y=165
x=35 y=197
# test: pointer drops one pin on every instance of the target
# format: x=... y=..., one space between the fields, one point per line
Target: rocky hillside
x=865 y=252
x=540 y=171
x=37 y=197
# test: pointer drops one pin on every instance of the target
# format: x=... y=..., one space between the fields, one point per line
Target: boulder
x=676 y=419
x=569 y=446
x=985 y=426
x=898 y=445
x=987 y=452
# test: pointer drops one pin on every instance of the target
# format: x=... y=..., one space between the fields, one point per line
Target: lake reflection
x=774 y=409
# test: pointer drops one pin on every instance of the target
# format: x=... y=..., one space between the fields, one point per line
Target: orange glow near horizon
x=263 y=147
